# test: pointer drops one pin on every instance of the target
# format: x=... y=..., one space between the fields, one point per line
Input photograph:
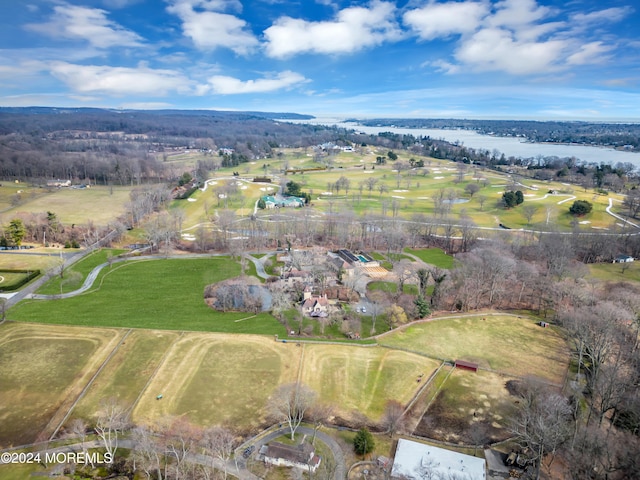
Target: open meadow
x=361 y=379
x=71 y=206
x=43 y=369
x=503 y=343
x=469 y=404
x=220 y=378
x=157 y=294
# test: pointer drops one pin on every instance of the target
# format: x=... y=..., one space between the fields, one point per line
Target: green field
x=42 y=370
x=616 y=272
x=504 y=343
x=432 y=256
x=157 y=294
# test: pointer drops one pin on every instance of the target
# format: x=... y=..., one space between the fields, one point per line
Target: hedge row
x=19 y=281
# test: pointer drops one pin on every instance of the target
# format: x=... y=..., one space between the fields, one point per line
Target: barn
x=464 y=365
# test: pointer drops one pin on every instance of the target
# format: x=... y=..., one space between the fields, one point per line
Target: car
x=364 y=309
x=358 y=309
x=248 y=451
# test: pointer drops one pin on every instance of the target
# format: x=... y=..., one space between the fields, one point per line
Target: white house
x=623 y=259
x=301 y=456
x=418 y=460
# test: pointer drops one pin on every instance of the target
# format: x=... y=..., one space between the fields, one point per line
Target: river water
x=510 y=146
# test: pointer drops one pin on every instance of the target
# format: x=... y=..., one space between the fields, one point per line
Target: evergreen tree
x=363 y=442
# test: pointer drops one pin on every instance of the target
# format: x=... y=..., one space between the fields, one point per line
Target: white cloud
x=353 y=29
x=590 y=53
x=225 y=85
x=495 y=49
x=515 y=13
x=120 y=80
x=614 y=14
x=84 y=23
x=209 y=29
x=519 y=37
x=444 y=19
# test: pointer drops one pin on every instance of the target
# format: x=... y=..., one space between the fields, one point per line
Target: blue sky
x=540 y=59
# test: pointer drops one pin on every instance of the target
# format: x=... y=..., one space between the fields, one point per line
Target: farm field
x=156 y=294
x=467 y=401
x=217 y=379
x=79 y=206
x=358 y=379
x=42 y=370
x=128 y=371
x=504 y=343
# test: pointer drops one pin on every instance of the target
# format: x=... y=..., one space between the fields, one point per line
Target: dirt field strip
x=415 y=421
x=301 y=362
x=86 y=387
x=153 y=374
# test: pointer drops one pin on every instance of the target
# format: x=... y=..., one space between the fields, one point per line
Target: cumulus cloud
x=352 y=29
x=120 y=80
x=519 y=37
x=205 y=24
x=495 y=49
x=84 y=23
x=225 y=85
x=444 y=19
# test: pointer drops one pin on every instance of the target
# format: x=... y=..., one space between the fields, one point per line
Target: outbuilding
x=464 y=365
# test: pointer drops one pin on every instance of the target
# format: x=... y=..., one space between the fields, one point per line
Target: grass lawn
x=392 y=287
x=83 y=268
x=42 y=370
x=75 y=205
x=165 y=294
x=613 y=272
x=432 y=256
x=504 y=343
x=127 y=371
x=217 y=378
x=358 y=379
x=23 y=260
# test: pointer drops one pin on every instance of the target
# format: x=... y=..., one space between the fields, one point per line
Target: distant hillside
x=620 y=135
x=205 y=113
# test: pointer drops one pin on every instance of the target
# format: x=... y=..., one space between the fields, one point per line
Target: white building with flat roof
x=418 y=461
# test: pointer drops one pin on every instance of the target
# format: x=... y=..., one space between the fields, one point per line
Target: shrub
x=580 y=207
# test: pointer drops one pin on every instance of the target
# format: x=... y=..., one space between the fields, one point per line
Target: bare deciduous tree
x=290 y=402
x=111 y=422
x=219 y=443
x=392 y=418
